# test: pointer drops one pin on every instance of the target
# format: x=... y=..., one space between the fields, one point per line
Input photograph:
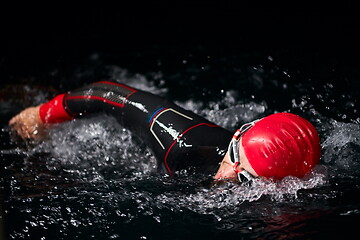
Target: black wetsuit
x=179 y=138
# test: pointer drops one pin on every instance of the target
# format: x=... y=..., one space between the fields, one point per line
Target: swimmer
x=276 y=146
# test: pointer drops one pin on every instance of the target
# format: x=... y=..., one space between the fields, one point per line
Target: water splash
x=117 y=185
x=228 y=112
x=341 y=147
x=91 y=146
x=137 y=80
x=226 y=199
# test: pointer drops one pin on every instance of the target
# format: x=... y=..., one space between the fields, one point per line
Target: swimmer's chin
x=217 y=181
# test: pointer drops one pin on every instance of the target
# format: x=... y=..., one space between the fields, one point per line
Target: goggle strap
x=236 y=151
x=235 y=167
x=244 y=128
x=237 y=134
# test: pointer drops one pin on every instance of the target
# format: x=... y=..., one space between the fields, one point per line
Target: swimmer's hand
x=28 y=125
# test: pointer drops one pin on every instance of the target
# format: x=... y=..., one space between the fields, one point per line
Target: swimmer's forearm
x=104 y=96
x=107 y=97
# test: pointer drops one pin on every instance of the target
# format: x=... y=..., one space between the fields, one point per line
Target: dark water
x=92 y=179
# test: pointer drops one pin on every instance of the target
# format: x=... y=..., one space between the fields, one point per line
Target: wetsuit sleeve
x=98 y=97
x=179 y=138
x=131 y=107
x=54 y=111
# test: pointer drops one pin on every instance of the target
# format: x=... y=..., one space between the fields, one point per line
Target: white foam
x=226 y=198
x=227 y=112
x=137 y=80
x=97 y=143
x=341 y=146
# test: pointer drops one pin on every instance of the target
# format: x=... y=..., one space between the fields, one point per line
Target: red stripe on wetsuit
x=54 y=110
x=178 y=138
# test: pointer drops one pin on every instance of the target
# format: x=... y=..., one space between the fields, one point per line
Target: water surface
x=93 y=179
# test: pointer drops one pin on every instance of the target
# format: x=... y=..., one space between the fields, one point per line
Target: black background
x=36 y=39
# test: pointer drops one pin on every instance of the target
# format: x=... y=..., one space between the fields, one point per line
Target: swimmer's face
x=226 y=170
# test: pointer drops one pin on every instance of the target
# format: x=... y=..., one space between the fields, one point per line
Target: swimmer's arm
x=104 y=96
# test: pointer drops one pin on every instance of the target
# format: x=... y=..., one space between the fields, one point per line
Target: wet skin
x=226 y=170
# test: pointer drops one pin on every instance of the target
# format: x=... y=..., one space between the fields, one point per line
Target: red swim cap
x=281 y=145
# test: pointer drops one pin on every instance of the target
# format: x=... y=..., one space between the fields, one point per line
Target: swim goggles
x=233 y=150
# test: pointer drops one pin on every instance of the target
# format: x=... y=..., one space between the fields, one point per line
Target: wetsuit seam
x=66 y=107
x=155 y=114
x=179 y=137
x=117 y=84
x=97 y=98
x=130 y=94
x=82 y=96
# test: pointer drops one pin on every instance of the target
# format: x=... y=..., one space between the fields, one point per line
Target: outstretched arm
x=104 y=96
